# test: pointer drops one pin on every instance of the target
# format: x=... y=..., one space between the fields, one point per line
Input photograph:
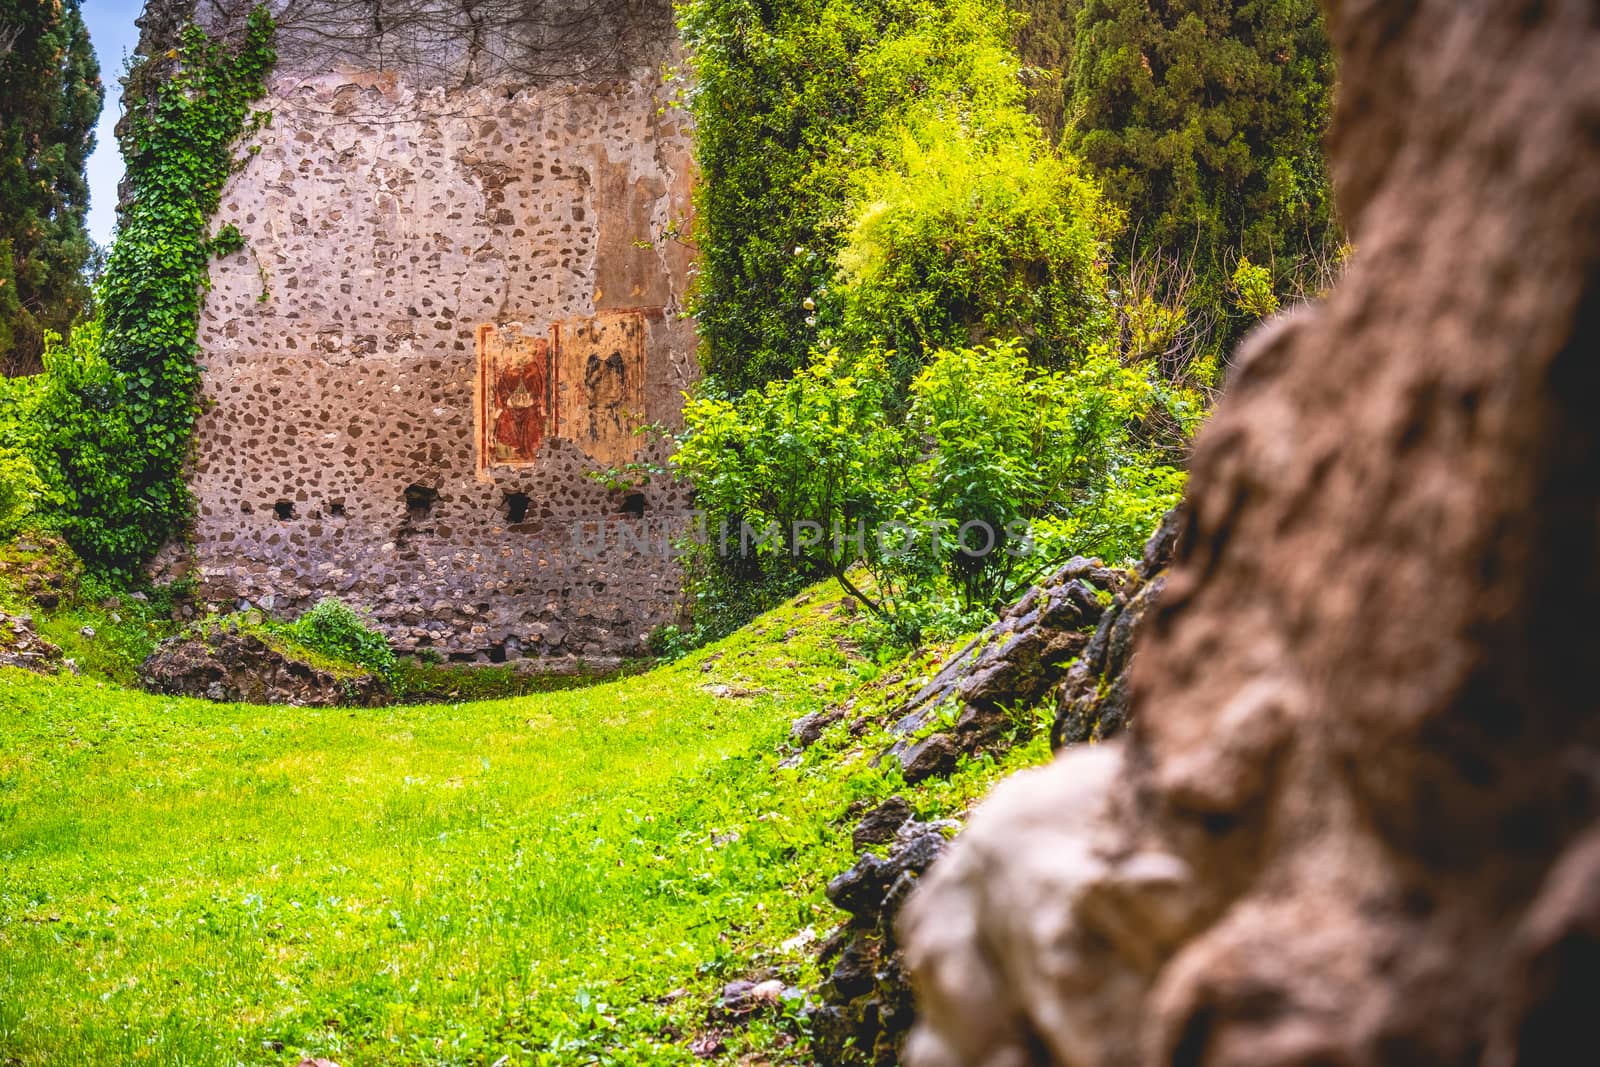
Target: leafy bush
x=82 y=444
x=335 y=629
x=792 y=103
x=1030 y=465
x=969 y=237
x=1252 y=290
x=20 y=489
x=874 y=191
x=813 y=449
x=1012 y=447
x=119 y=408
x=1205 y=120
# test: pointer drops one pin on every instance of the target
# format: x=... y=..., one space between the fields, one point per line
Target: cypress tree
x=1205 y=119
x=1043 y=38
x=50 y=97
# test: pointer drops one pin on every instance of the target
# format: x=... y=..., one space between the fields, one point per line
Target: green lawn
x=564 y=878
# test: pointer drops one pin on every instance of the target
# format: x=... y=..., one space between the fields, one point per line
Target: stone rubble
x=21 y=646
x=243 y=668
x=1068 y=642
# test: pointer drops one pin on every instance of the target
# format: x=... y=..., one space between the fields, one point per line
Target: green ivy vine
x=122 y=417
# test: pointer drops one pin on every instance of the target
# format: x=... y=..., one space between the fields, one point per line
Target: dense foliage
x=998 y=469
x=20 y=486
x=1046 y=459
x=50 y=97
x=116 y=415
x=808 y=458
x=966 y=239
x=1043 y=38
x=335 y=629
x=793 y=103
x=1205 y=120
x=907 y=318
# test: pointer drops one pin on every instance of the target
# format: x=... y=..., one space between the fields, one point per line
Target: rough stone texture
x=866 y=1006
x=1354 y=820
x=1042 y=642
x=243 y=668
x=21 y=646
x=1012 y=664
x=449 y=42
x=42 y=570
x=1092 y=700
x=878 y=826
x=391 y=212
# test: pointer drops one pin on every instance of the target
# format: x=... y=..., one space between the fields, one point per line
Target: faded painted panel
x=601 y=393
x=515 y=394
x=584 y=383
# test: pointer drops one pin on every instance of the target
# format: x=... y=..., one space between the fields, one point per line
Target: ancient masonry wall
x=454 y=304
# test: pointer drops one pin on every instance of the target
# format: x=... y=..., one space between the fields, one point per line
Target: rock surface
x=878 y=826
x=244 y=668
x=1041 y=643
x=340 y=449
x=20 y=646
x=866 y=1006
x=1012 y=664
x=1092 y=701
x=1355 y=819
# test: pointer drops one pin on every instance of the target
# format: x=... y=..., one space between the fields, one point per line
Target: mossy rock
x=254 y=668
x=40 y=570
x=20 y=646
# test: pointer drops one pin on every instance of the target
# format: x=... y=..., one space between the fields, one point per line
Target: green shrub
x=337 y=630
x=969 y=237
x=814 y=448
x=1205 y=120
x=1252 y=290
x=1012 y=446
x=82 y=444
x=805 y=474
x=873 y=191
x=792 y=103
x=20 y=490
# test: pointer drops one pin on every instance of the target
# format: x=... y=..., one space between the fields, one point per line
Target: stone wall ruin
x=456 y=301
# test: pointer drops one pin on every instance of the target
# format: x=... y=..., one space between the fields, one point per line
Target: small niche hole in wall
x=516 y=507
x=633 y=504
x=284 y=510
x=336 y=509
x=419 y=501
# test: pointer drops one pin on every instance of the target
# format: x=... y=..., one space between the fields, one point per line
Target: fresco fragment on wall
x=583 y=382
x=601 y=384
x=515 y=395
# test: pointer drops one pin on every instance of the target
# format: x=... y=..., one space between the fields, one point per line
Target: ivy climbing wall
x=405 y=238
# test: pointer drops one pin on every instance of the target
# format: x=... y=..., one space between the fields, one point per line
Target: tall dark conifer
x=50 y=97
x=1205 y=118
